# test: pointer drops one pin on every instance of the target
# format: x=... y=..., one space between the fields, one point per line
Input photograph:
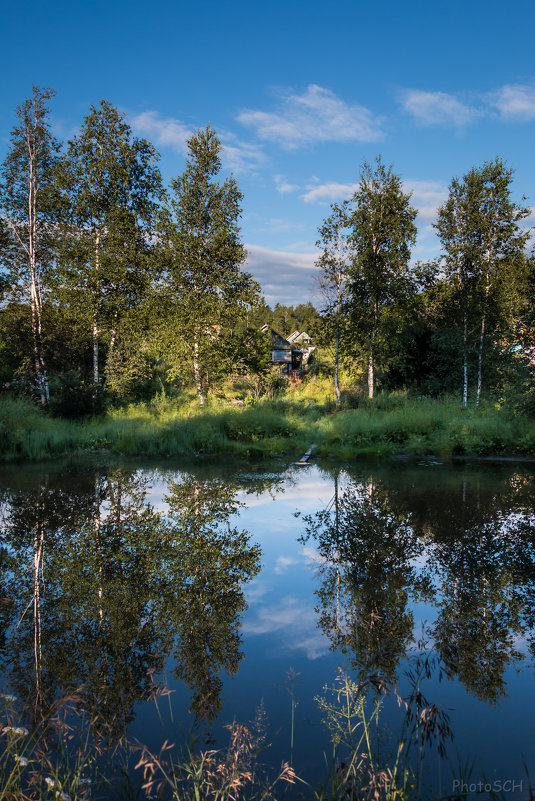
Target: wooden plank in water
x=303 y=461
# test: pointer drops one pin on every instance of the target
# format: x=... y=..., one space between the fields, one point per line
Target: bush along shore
x=388 y=425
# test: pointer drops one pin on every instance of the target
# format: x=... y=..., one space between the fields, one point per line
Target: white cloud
x=285 y=277
x=514 y=101
x=168 y=132
x=328 y=193
x=283 y=186
x=239 y=156
x=317 y=115
x=437 y=108
x=427 y=196
x=283 y=562
x=295 y=626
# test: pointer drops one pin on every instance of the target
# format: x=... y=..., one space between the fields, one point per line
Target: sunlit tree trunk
x=38 y=579
x=465 y=360
x=95 y=323
x=482 y=338
x=338 y=310
x=197 y=369
x=371 y=364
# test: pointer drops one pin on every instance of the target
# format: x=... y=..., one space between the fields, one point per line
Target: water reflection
x=367 y=577
x=110 y=575
x=206 y=562
x=470 y=553
x=98 y=590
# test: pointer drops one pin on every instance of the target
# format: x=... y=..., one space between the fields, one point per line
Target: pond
x=145 y=603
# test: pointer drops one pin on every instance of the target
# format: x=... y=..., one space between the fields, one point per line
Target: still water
x=225 y=588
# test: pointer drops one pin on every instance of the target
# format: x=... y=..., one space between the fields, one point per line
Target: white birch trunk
x=482 y=333
x=38 y=578
x=371 y=365
x=95 y=324
x=337 y=336
x=371 y=376
x=196 y=368
x=34 y=276
x=480 y=358
x=465 y=362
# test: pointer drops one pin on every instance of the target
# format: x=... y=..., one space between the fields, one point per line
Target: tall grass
x=392 y=424
x=65 y=755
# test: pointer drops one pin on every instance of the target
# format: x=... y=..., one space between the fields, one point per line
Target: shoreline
x=407 y=429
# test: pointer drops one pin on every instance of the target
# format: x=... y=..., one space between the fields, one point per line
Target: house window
x=281 y=356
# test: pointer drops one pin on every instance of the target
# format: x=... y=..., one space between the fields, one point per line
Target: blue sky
x=300 y=94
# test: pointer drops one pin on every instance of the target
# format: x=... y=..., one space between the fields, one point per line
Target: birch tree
x=480 y=231
x=112 y=186
x=206 y=292
x=382 y=233
x=333 y=264
x=28 y=207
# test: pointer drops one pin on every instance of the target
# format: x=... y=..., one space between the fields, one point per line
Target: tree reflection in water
x=469 y=552
x=207 y=562
x=366 y=577
x=98 y=590
x=479 y=559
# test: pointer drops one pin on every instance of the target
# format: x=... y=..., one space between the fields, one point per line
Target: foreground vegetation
x=61 y=758
x=305 y=415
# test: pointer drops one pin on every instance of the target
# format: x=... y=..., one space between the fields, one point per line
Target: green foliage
x=29 y=211
x=382 y=226
x=483 y=243
x=111 y=189
x=206 y=294
x=105 y=283
x=73 y=397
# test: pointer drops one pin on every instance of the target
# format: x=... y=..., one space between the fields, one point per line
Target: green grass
x=392 y=424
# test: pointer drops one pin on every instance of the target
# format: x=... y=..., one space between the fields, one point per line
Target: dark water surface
x=235 y=585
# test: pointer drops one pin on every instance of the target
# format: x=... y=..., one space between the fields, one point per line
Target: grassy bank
x=387 y=426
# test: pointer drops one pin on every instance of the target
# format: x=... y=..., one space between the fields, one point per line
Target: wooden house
x=289 y=355
x=284 y=355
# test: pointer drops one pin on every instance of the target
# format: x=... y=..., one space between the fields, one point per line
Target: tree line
x=115 y=287
x=433 y=326
x=106 y=274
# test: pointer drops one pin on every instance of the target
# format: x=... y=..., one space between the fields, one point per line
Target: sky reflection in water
x=379 y=558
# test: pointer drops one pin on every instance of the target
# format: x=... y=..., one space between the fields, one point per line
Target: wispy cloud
x=295 y=626
x=169 y=132
x=283 y=562
x=283 y=186
x=437 y=108
x=328 y=192
x=514 y=102
x=427 y=196
x=279 y=224
x=317 y=115
x=284 y=277
x=238 y=155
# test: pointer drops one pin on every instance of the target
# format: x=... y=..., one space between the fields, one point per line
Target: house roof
x=277 y=340
x=299 y=335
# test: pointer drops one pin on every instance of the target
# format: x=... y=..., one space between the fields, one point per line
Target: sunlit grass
x=304 y=415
